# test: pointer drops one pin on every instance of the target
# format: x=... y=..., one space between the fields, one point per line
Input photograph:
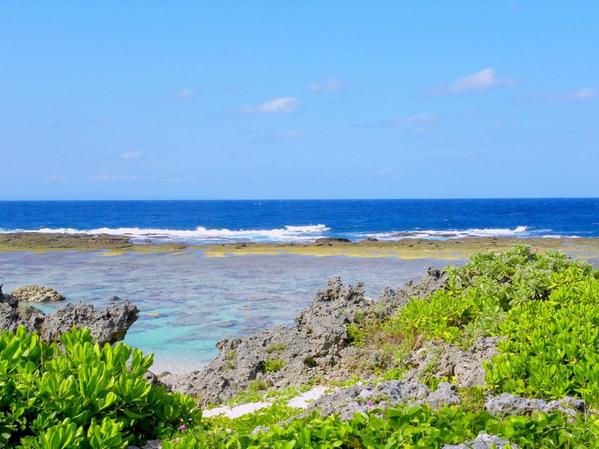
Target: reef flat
x=461 y=248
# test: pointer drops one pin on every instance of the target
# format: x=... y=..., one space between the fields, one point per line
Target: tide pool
x=188 y=301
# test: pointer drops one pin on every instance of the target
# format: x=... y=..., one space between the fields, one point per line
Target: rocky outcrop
x=283 y=356
x=509 y=404
x=449 y=361
x=362 y=398
x=483 y=441
x=36 y=293
x=106 y=326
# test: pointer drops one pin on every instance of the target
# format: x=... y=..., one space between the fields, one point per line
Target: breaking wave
x=199 y=234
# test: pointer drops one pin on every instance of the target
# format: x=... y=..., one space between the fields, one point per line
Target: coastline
x=460 y=248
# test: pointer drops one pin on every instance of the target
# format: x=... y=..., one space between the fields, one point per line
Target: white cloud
x=327 y=85
x=482 y=80
x=293 y=133
x=388 y=172
x=419 y=119
x=584 y=93
x=185 y=94
x=104 y=177
x=55 y=178
x=131 y=155
x=276 y=106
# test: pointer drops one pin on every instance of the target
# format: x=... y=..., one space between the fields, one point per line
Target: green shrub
x=273 y=365
x=552 y=346
x=275 y=347
x=80 y=394
x=404 y=427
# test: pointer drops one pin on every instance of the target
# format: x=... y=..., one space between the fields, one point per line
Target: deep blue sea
x=302 y=220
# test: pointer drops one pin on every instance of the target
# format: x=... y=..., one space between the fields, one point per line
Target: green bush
x=404 y=427
x=80 y=395
x=273 y=365
x=551 y=349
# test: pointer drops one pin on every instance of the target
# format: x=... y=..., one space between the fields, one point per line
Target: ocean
x=303 y=220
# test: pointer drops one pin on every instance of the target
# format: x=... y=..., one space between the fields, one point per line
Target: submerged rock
x=36 y=293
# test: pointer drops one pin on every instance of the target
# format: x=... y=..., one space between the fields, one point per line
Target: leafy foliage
x=80 y=394
x=416 y=427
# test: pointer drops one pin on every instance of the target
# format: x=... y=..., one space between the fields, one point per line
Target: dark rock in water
x=330 y=240
x=106 y=326
x=318 y=344
x=372 y=239
x=36 y=293
x=483 y=441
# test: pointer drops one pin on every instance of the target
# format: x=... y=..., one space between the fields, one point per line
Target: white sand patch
x=302 y=401
x=237 y=411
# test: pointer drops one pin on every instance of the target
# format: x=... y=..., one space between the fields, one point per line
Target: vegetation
x=544 y=306
x=80 y=395
x=273 y=365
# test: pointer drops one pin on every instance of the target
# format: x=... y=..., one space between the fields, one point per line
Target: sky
x=307 y=99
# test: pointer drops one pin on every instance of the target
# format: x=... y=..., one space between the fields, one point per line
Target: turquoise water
x=188 y=301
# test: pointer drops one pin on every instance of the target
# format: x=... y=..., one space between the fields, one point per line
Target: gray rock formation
x=450 y=361
x=106 y=326
x=317 y=345
x=483 y=441
x=509 y=404
x=363 y=398
x=36 y=293
x=303 y=351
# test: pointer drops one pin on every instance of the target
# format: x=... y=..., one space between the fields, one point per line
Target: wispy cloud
x=293 y=133
x=419 y=119
x=581 y=94
x=388 y=172
x=56 y=178
x=584 y=93
x=105 y=177
x=279 y=105
x=185 y=94
x=326 y=85
x=131 y=155
x=482 y=80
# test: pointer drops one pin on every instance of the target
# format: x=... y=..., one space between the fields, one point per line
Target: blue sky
x=310 y=99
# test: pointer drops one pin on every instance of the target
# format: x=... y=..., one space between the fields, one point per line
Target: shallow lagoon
x=188 y=301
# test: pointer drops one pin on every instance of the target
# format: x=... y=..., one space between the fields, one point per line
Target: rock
x=317 y=345
x=36 y=293
x=509 y=404
x=448 y=361
x=445 y=394
x=150 y=444
x=347 y=402
x=309 y=348
x=107 y=326
x=330 y=241
x=483 y=441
